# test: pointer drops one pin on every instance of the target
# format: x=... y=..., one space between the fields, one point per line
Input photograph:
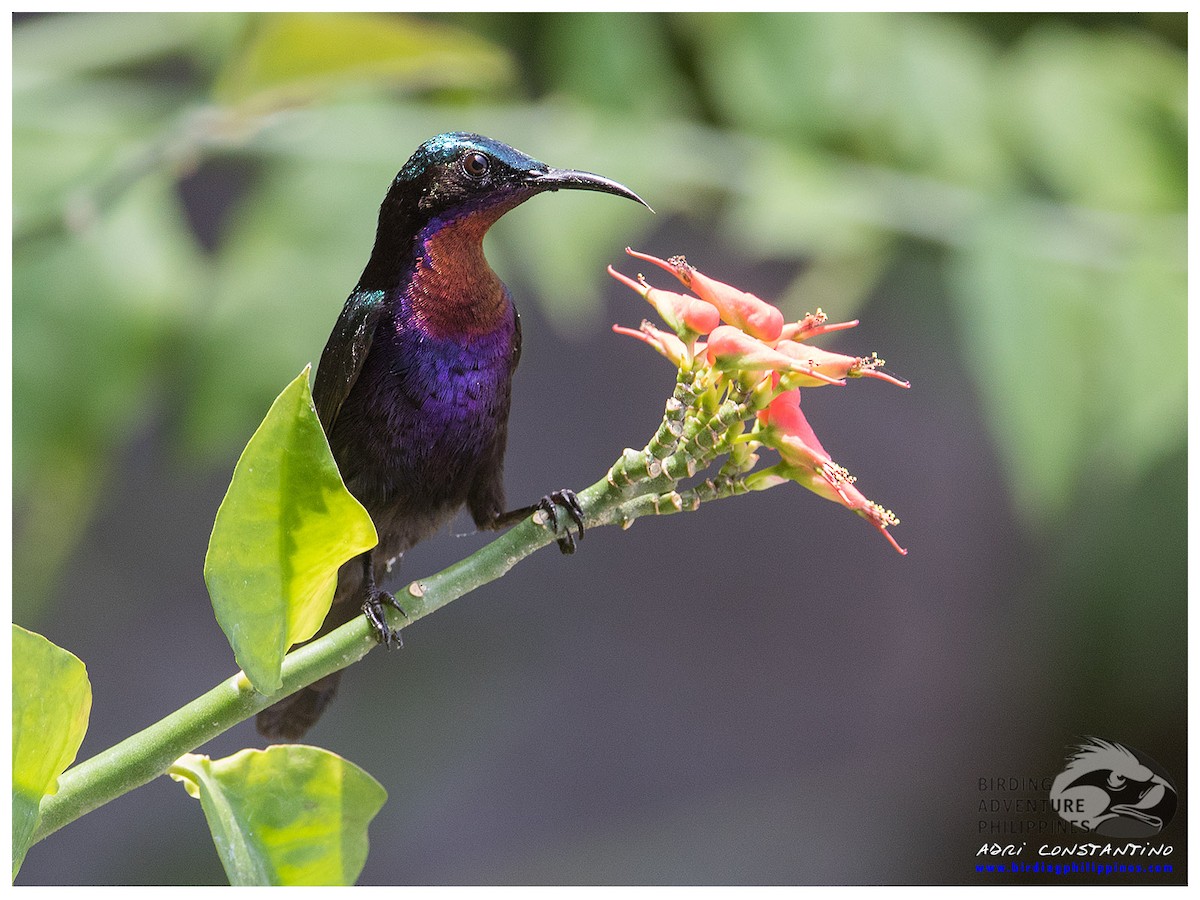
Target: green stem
x=635 y=486
x=149 y=753
x=144 y=756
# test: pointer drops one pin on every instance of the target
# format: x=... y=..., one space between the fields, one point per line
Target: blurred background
x=762 y=691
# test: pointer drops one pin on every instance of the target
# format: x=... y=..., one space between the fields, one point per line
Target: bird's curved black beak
x=552 y=179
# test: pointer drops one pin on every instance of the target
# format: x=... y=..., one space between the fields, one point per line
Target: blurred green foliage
x=1044 y=158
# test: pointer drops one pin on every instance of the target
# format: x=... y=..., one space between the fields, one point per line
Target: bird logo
x=1113 y=790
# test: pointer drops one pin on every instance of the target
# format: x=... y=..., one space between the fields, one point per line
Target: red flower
x=806 y=462
x=832 y=365
x=664 y=342
x=812 y=325
x=731 y=349
x=687 y=316
x=763 y=355
x=745 y=311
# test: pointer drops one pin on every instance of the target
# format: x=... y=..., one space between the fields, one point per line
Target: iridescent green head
x=458 y=172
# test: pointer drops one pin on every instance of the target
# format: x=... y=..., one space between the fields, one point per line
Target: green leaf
x=285 y=526
x=287 y=815
x=51 y=702
x=296 y=57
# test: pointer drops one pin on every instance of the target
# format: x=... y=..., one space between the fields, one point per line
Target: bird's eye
x=476 y=165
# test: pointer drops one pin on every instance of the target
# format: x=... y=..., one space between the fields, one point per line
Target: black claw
x=570 y=503
x=546 y=505
x=373 y=606
x=373 y=609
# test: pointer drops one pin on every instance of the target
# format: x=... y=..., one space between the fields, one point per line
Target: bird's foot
x=373 y=610
x=568 y=501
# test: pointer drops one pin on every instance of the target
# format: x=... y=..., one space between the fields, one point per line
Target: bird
x=413 y=387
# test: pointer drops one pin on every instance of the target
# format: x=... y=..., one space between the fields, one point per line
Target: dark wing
x=516 y=354
x=342 y=359
x=485 y=499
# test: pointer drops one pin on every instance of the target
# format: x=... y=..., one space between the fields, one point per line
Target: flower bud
x=831 y=365
x=687 y=316
x=806 y=462
x=784 y=415
x=664 y=342
x=834 y=483
x=731 y=349
x=751 y=314
x=812 y=325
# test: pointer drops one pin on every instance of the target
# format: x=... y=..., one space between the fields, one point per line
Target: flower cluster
x=741 y=368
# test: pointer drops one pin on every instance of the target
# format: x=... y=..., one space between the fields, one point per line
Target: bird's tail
x=292 y=716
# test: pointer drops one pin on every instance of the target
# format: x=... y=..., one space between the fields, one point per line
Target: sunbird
x=414 y=385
